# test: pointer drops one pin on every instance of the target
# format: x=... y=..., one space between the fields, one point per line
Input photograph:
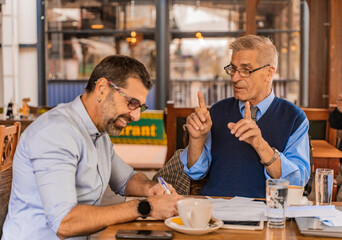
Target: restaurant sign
x=148 y=130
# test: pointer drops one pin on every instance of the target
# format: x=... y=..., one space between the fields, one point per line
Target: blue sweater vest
x=236 y=169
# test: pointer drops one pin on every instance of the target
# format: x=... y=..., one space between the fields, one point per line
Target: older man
x=238 y=148
x=65 y=160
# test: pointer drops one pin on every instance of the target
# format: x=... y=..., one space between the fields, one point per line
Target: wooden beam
x=335 y=51
x=251 y=10
x=319 y=53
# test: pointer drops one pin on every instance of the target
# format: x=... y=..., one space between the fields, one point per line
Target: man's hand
x=141 y=185
x=339 y=102
x=246 y=129
x=157 y=189
x=164 y=206
x=199 y=122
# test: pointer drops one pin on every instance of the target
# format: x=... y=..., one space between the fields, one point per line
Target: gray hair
x=267 y=52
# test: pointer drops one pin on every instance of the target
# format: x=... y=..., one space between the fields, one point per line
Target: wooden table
x=35 y=112
x=290 y=232
x=326 y=156
x=24 y=123
x=323 y=150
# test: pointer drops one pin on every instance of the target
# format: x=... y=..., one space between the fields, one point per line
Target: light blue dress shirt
x=295 y=159
x=61 y=161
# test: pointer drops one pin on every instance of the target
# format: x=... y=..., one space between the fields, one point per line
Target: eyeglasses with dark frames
x=133 y=103
x=243 y=72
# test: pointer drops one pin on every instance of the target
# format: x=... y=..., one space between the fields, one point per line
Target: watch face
x=144 y=208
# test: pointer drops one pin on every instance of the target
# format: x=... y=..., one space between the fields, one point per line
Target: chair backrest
x=9 y=137
x=175 y=119
x=319 y=125
x=177 y=138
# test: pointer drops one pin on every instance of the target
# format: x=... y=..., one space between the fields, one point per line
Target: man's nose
x=135 y=114
x=236 y=77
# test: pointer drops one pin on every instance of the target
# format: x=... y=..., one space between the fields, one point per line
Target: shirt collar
x=262 y=106
x=79 y=108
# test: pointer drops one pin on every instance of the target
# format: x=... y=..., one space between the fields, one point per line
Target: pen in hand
x=163 y=184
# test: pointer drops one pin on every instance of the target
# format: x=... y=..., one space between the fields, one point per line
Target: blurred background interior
x=49 y=48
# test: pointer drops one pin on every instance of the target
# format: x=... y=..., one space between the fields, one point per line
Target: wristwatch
x=144 y=208
x=276 y=154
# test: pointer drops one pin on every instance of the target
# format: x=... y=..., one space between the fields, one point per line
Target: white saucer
x=193 y=231
x=304 y=202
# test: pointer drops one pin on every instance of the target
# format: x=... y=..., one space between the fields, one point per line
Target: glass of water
x=276 y=198
x=324 y=186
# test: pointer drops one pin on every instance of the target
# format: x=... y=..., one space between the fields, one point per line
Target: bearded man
x=65 y=160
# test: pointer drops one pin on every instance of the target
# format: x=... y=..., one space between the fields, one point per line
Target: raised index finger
x=201 y=101
x=247 y=114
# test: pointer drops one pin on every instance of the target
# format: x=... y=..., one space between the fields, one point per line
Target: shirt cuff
x=199 y=169
x=288 y=171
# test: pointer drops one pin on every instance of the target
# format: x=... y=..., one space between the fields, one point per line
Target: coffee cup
x=295 y=195
x=194 y=212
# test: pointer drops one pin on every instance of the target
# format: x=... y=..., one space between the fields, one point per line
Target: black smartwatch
x=144 y=208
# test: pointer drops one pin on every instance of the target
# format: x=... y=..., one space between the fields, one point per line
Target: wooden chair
x=319 y=124
x=177 y=138
x=9 y=137
x=176 y=134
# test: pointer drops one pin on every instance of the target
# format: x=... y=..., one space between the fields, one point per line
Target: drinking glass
x=324 y=185
x=276 y=198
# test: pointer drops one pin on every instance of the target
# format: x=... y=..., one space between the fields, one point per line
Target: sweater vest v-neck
x=236 y=169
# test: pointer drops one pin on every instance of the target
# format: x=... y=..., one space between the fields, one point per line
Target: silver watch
x=276 y=154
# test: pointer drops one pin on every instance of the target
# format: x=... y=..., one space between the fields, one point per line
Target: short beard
x=114 y=130
x=111 y=128
x=109 y=121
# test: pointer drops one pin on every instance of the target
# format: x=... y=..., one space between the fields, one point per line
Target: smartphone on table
x=143 y=234
x=244 y=225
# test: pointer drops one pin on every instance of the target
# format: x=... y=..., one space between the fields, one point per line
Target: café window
x=202 y=32
x=81 y=33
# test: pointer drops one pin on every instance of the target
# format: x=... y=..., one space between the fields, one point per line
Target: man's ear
x=270 y=73
x=101 y=86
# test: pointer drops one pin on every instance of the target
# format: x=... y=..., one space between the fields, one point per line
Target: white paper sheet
x=312 y=211
x=245 y=209
x=238 y=209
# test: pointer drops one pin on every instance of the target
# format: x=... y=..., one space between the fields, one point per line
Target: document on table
x=238 y=209
x=312 y=211
x=328 y=215
x=246 y=209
